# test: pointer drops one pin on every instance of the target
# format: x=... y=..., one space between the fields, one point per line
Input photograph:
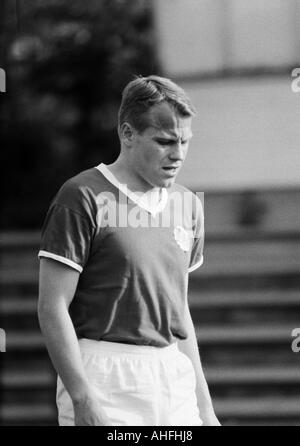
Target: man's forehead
x=164 y=119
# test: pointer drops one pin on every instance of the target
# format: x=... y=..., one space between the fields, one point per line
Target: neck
x=125 y=174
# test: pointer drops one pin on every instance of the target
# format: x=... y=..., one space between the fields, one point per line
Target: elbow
x=46 y=312
x=43 y=313
x=50 y=308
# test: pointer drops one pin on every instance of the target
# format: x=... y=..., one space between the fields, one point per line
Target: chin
x=163 y=182
x=168 y=183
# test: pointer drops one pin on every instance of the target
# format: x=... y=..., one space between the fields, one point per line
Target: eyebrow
x=173 y=138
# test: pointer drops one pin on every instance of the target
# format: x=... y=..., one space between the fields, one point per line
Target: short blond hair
x=144 y=92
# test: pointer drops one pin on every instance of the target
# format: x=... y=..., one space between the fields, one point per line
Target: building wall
x=246 y=134
x=197 y=36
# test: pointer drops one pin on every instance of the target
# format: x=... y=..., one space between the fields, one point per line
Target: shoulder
x=81 y=183
x=79 y=193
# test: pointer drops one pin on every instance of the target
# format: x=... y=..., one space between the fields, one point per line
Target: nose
x=177 y=152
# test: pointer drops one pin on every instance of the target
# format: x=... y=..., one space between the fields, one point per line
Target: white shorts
x=137 y=385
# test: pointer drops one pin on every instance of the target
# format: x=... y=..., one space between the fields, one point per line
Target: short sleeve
x=196 y=259
x=68 y=229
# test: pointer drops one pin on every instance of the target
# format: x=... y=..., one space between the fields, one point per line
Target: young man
x=117 y=245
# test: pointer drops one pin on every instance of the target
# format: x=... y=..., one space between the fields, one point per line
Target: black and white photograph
x=150 y=215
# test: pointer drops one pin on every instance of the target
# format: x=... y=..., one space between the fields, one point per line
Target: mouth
x=171 y=170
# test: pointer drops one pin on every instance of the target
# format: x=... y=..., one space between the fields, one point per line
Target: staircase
x=27 y=377
x=244 y=300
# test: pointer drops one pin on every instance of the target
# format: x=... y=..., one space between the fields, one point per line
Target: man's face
x=158 y=153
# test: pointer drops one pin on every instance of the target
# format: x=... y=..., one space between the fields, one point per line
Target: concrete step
x=27 y=414
x=243 y=282
x=18 y=379
x=278 y=210
x=244 y=299
x=255 y=354
x=236 y=257
x=15 y=306
x=258 y=408
x=246 y=376
x=266 y=422
x=222 y=334
x=243 y=316
x=24 y=341
x=19 y=277
x=13 y=240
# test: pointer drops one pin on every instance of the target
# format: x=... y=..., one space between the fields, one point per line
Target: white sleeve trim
x=199 y=263
x=61 y=259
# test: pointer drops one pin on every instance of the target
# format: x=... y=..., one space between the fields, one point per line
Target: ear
x=126 y=133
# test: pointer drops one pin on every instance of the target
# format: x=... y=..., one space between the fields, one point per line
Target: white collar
x=152 y=201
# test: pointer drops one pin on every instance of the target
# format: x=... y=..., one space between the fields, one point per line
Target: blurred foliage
x=66 y=64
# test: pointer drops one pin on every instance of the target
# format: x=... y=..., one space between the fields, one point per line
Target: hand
x=88 y=412
x=211 y=420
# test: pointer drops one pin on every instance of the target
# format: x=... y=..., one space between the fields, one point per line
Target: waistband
x=109 y=348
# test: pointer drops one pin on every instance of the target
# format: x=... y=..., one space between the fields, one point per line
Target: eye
x=164 y=142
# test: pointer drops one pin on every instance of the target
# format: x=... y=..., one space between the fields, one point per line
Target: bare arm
x=189 y=346
x=57 y=286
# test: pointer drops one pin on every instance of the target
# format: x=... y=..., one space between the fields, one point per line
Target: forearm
x=189 y=346
x=63 y=347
